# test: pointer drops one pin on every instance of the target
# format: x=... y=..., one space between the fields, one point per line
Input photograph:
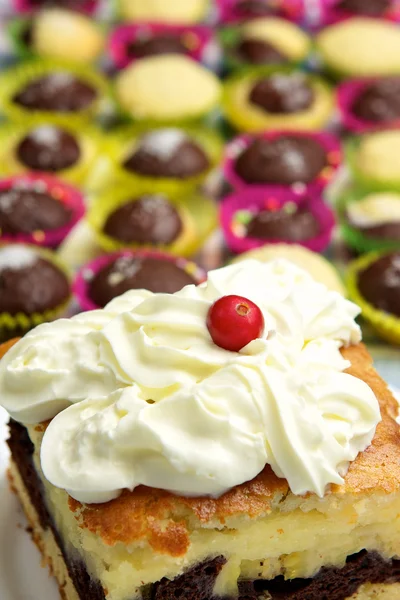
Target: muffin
x=38 y=209
x=109 y=276
x=370 y=220
x=154 y=221
x=374 y=159
x=370 y=104
x=147 y=89
x=258 y=101
x=350 y=48
x=270 y=215
x=57 y=91
x=264 y=41
x=179 y=12
x=168 y=159
x=35 y=287
x=59 y=34
x=241 y=10
x=63 y=150
x=282 y=158
x=316 y=265
x=374 y=283
x=136 y=41
x=87 y=6
x=337 y=10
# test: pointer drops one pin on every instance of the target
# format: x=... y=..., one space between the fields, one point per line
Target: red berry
x=234 y=321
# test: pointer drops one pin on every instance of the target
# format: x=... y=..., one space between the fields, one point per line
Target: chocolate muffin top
x=70 y=4
x=370 y=8
x=26 y=210
x=132 y=272
x=379 y=101
x=295 y=225
x=379 y=283
x=167 y=153
x=255 y=8
x=150 y=219
x=48 y=148
x=157 y=43
x=29 y=283
x=285 y=160
x=260 y=52
x=283 y=94
x=57 y=92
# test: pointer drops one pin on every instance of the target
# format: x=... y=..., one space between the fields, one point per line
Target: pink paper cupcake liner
x=272 y=198
x=347 y=93
x=85 y=275
x=294 y=10
x=63 y=192
x=198 y=39
x=24 y=6
x=328 y=141
x=330 y=13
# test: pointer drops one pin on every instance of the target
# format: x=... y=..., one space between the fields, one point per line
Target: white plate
x=21 y=576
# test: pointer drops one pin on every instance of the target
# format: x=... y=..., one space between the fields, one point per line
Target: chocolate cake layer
x=198 y=582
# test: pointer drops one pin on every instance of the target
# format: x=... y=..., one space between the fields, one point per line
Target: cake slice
x=257 y=541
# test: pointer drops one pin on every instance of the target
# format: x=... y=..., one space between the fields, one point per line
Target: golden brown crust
x=138 y=515
x=5 y=347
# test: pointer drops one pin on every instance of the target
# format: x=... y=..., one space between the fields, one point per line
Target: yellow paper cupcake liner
x=249 y=118
x=198 y=215
x=91 y=142
x=109 y=169
x=387 y=326
x=15 y=79
x=21 y=323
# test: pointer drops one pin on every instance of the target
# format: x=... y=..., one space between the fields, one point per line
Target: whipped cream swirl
x=143 y=396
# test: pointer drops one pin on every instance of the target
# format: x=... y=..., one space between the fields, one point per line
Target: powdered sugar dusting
x=124 y=267
x=7 y=200
x=46 y=134
x=16 y=257
x=163 y=142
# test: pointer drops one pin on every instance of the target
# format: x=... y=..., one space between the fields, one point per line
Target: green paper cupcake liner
x=387 y=326
x=91 y=142
x=17 y=325
x=14 y=79
x=109 y=168
x=367 y=181
x=198 y=214
x=244 y=117
x=353 y=237
x=16 y=29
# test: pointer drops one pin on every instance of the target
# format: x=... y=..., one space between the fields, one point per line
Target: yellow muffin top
x=361 y=46
x=182 y=12
x=167 y=88
x=378 y=155
x=285 y=36
x=315 y=264
x=68 y=35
